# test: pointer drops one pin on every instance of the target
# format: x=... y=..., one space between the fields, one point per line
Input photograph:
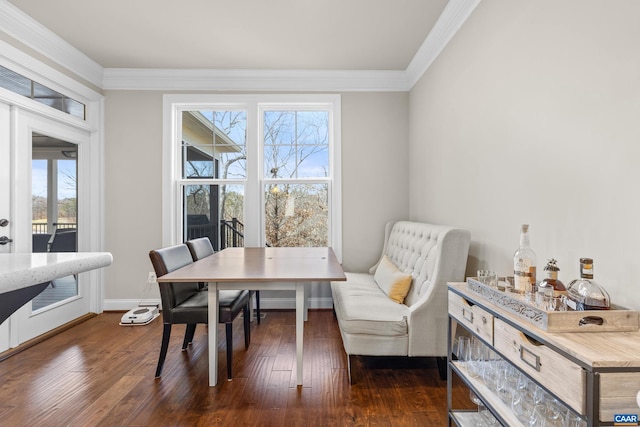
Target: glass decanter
x=585 y=293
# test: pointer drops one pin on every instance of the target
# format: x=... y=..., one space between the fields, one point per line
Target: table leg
x=307 y=291
x=213 y=333
x=300 y=312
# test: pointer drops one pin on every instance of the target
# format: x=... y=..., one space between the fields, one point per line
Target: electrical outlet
x=152 y=277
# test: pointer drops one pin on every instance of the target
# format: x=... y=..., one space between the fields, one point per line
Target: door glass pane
x=54 y=209
x=213 y=144
x=214 y=211
x=296 y=215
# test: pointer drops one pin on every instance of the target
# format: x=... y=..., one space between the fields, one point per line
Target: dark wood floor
x=101 y=374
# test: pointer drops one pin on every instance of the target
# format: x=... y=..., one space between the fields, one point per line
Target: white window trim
x=255 y=181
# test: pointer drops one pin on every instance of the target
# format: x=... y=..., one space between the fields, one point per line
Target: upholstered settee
x=426 y=256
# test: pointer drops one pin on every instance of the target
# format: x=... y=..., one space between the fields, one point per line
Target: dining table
x=260 y=268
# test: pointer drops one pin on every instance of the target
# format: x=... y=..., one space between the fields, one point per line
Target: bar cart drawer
x=472 y=317
x=559 y=375
x=618 y=394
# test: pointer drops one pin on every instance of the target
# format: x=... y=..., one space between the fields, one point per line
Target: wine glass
x=462 y=351
x=476 y=356
x=553 y=410
x=479 y=421
x=506 y=382
x=538 y=417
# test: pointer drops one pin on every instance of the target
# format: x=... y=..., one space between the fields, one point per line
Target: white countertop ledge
x=21 y=270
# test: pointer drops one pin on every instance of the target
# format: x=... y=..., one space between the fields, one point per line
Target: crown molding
x=455 y=14
x=254 y=80
x=25 y=29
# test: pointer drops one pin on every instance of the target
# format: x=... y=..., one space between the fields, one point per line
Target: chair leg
x=166 y=334
x=258 y=306
x=246 y=314
x=188 y=335
x=229 y=330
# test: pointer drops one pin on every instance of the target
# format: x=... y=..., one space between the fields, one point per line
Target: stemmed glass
x=462 y=351
x=475 y=399
x=485 y=417
x=492 y=366
x=538 y=417
x=553 y=411
x=476 y=356
x=506 y=382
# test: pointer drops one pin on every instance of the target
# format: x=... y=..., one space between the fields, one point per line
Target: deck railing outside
x=43 y=228
x=231 y=233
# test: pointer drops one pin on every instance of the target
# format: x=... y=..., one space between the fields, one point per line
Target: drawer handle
x=591 y=320
x=526 y=352
x=467 y=314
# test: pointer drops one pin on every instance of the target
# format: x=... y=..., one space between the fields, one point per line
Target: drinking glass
x=476 y=357
x=491 y=368
x=480 y=420
x=488 y=418
x=538 y=394
x=572 y=420
x=553 y=411
x=506 y=381
x=462 y=351
x=522 y=400
x=538 y=417
x=488 y=277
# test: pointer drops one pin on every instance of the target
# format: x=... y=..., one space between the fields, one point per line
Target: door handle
x=4 y=240
x=4 y=222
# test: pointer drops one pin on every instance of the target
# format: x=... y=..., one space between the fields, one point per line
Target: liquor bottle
x=550 y=287
x=524 y=264
x=585 y=293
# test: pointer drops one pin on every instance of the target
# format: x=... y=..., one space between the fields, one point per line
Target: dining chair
x=202 y=247
x=64 y=241
x=185 y=303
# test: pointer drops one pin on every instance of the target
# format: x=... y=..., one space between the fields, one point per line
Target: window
x=21 y=85
x=253 y=170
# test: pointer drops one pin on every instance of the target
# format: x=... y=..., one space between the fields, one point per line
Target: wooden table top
x=262 y=265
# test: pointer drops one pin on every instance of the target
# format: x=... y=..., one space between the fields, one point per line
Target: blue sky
x=66 y=178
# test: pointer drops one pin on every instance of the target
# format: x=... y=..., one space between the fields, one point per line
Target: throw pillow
x=392 y=281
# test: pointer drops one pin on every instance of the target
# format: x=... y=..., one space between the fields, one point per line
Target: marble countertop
x=21 y=270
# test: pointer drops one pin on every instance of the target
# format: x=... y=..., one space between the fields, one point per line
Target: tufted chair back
x=424 y=251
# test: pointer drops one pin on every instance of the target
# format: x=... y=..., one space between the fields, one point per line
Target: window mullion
x=253 y=195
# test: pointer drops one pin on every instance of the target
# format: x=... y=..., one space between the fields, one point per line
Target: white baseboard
x=265 y=303
x=127 y=304
x=290 y=303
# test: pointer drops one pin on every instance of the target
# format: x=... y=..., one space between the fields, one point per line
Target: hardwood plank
x=102 y=374
x=97 y=411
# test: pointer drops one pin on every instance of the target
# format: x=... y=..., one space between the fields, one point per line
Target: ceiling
x=241 y=34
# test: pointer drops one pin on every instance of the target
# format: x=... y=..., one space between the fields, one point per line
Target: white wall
x=532 y=115
x=375 y=181
x=133 y=192
x=375 y=176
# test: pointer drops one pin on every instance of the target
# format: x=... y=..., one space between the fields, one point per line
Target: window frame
x=255 y=181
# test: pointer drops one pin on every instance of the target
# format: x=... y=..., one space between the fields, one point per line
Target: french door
x=5 y=213
x=42 y=166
